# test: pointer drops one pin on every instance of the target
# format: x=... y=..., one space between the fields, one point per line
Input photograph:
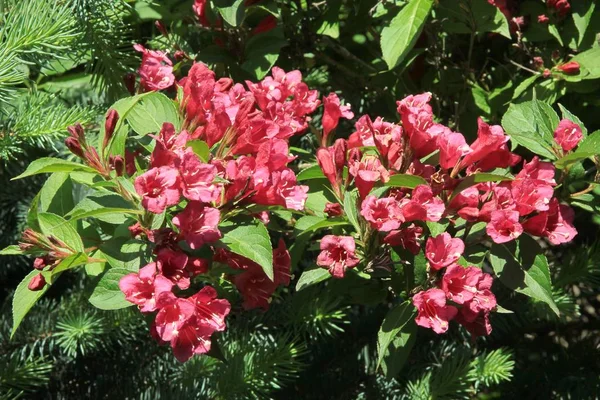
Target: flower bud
x=547 y=73
x=538 y=63
x=76 y=131
x=180 y=55
x=109 y=126
x=325 y=160
x=37 y=283
x=39 y=263
x=74 y=146
x=129 y=80
x=161 y=28
x=340 y=149
x=569 y=68
x=543 y=19
x=333 y=209
x=119 y=165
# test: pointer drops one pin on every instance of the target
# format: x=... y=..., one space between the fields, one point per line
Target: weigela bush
x=182 y=188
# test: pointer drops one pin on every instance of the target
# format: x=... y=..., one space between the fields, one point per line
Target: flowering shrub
x=223 y=179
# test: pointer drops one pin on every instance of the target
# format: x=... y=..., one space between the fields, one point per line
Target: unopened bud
x=109 y=126
x=538 y=62
x=340 y=150
x=37 y=283
x=129 y=80
x=180 y=55
x=547 y=73
x=39 y=263
x=569 y=68
x=161 y=28
x=74 y=146
x=543 y=19
x=76 y=131
x=118 y=165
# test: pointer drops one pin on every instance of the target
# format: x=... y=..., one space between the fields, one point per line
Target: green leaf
x=12 y=250
x=124 y=253
x=252 y=242
x=60 y=228
x=96 y=268
x=590 y=144
x=395 y=320
x=399 y=351
x=200 y=148
x=24 y=299
x=400 y=36
x=521 y=267
x=311 y=277
x=106 y=207
x=262 y=51
x=437 y=228
x=312 y=172
x=489 y=18
x=310 y=223
x=524 y=85
x=74 y=260
x=531 y=118
x=581 y=12
x=330 y=25
x=48 y=164
x=232 y=11
x=151 y=112
x=533 y=144
x=351 y=209
x=475 y=179
x=56 y=195
x=405 y=181
x=589 y=62
x=553 y=30
x=106 y=294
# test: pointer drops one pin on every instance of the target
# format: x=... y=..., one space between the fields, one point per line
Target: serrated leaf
x=151 y=112
x=125 y=253
x=57 y=226
x=200 y=148
x=590 y=144
x=521 y=267
x=524 y=85
x=400 y=36
x=106 y=207
x=312 y=277
x=351 y=209
x=312 y=172
x=106 y=294
x=395 y=320
x=56 y=195
x=252 y=242
x=232 y=11
x=534 y=120
x=262 y=51
x=24 y=299
x=12 y=250
x=405 y=181
x=48 y=164
x=582 y=12
x=489 y=18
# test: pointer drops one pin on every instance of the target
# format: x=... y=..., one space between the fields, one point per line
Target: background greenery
x=66 y=61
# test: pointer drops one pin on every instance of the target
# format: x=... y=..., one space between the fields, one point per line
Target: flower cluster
x=378 y=152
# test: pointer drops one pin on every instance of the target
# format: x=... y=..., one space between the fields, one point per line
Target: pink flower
x=337 y=254
x=196 y=266
x=278 y=188
x=145 y=289
x=556 y=224
x=168 y=146
x=209 y=310
x=490 y=138
x=443 y=251
x=477 y=326
x=197 y=179
x=159 y=188
x=504 y=226
x=156 y=71
x=332 y=113
x=198 y=91
x=562 y=7
x=199 y=8
x=422 y=206
x=407 y=238
x=363 y=136
x=538 y=170
x=255 y=287
x=568 y=134
x=531 y=195
x=460 y=283
x=282 y=263
x=383 y=214
x=452 y=147
x=543 y=19
x=172 y=265
x=432 y=310
x=333 y=209
x=366 y=173
x=483 y=299
x=198 y=224
x=171 y=318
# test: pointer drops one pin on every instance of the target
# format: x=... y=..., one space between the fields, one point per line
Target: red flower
x=443 y=251
x=282 y=263
x=156 y=71
x=172 y=265
x=569 y=68
x=197 y=179
x=433 y=311
x=278 y=188
x=452 y=147
x=333 y=209
x=168 y=147
x=366 y=173
x=196 y=266
x=146 y=289
x=568 y=134
x=477 y=326
x=490 y=138
x=198 y=224
x=383 y=214
x=199 y=8
x=460 y=283
x=407 y=238
x=332 y=113
x=198 y=91
x=556 y=224
x=159 y=188
x=562 y=7
x=422 y=206
x=265 y=25
x=255 y=287
x=337 y=254
x=504 y=226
